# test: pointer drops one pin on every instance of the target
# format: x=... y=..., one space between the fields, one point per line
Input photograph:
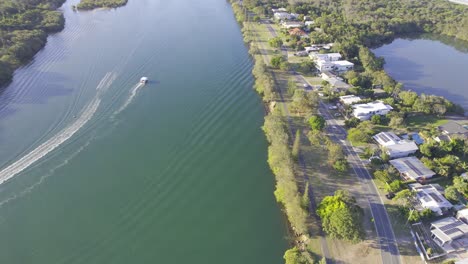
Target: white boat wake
x=133 y=93
x=62 y=136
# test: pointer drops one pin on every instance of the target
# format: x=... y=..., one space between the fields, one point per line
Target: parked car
x=333 y=107
x=390 y=195
x=305 y=85
x=337 y=114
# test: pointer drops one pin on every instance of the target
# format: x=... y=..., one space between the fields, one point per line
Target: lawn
x=420 y=121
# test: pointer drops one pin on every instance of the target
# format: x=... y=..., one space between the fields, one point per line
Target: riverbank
x=23 y=32
x=92 y=4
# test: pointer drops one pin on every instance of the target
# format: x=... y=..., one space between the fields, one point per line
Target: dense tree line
x=91 y=4
x=24 y=25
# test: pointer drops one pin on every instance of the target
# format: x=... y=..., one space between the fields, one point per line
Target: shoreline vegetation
x=92 y=4
x=293 y=124
x=24 y=27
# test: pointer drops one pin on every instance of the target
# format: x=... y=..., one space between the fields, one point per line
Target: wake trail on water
x=133 y=93
x=62 y=136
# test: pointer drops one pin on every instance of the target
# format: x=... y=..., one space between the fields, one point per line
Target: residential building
x=446 y=230
x=394 y=146
x=350 y=99
x=292 y=24
x=323 y=65
x=366 y=111
x=282 y=16
x=463 y=215
x=282 y=9
x=334 y=81
x=454 y=130
x=412 y=168
x=430 y=197
x=342 y=65
x=326 y=56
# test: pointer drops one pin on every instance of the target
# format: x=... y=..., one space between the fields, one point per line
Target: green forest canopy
x=24 y=25
x=91 y=4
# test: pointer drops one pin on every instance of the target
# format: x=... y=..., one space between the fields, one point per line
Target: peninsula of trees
x=24 y=25
x=91 y=4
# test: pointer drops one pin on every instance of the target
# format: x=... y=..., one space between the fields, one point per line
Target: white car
x=333 y=107
x=337 y=114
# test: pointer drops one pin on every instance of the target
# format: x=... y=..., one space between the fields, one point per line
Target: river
x=430 y=65
x=101 y=170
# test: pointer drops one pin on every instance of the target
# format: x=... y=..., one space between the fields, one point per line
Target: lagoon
x=430 y=65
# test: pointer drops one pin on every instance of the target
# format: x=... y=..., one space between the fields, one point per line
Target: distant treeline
x=373 y=22
x=91 y=4
x=24 y=25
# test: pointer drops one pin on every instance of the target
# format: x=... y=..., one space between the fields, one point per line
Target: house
x=282 y=9
x=350 y=99
x=463 y=215
x=334 y=81
x=323 y=65
x=430 y=197
x=297 y=32
x=292 y=24
x=326 y=57
x=366 y=111
x=342 y=65
x=454 y=130
x=394 y=146
x=446 y=230
x=412 y=168
x=282 y=16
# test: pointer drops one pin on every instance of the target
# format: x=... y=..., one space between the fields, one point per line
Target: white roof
x=463 y=215
x=387 y=138
x=412 y=167
x=448 y=229
x=350 y=99
x=430 y=197
x=371 y=107
x=327 y=56
x=343 y=63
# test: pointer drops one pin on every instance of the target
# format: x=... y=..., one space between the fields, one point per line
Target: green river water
x=101 y=170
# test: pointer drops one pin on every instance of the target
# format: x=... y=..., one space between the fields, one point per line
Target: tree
x=296 y=145
x=461 y=185
x=341 y=217
x=408 y=98
x=294 y=256
x=394 y=186
x=452 y=194
x=352 y=122
x=355 y=135
x=276 y=61
x=317 y=122
x=341 y=165
x=276 y=42
x=376 y=119
x=404 y=197
x=396 y=121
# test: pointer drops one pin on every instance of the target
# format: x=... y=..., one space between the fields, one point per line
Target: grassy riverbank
x=92 y=4
x=23 y=32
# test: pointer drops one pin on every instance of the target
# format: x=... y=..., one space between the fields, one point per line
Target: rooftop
x=343 y=63
x=350 y=99
x=412 y=167
x=430 y=197
x=387 y=138
x=369 y=107
x=449 y=228
x=453 y=128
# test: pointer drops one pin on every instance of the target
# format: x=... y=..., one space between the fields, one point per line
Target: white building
x=343 y=65
x=463 y=215
x=395 y=147
x=326 y=56
x=445 y=231
x=309 y=23
x=282 y=16
x=366 y=111
x=323 y=65
x=431 y=198
x=282 y=9
x=350 y=99
x=412 y=168
x=292 y=24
